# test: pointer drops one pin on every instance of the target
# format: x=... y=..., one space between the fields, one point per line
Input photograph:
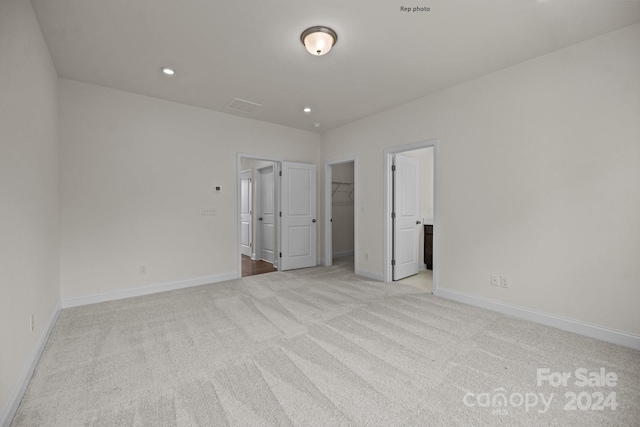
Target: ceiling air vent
x=241 y=105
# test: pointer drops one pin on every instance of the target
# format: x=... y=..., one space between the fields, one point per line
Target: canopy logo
x=500 y=401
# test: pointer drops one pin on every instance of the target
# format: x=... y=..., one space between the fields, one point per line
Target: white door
x=298 y=188
x=267 y=215
x=245 y=213
x=406 y=224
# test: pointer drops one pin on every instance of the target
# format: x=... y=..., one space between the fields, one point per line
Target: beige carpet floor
x=316 y=347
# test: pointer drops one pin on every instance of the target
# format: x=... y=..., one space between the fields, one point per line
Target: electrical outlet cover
x=505 y=281
x=495 y=280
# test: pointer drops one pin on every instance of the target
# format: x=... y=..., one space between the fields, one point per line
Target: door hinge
x=393 y=215
x=393 y=168
x=280 y=254
x=393 y=262
x=280 y=214
x=280 y=173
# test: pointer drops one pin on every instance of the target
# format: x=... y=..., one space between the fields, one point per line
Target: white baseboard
x=146 y=290
x=369 y=274
x=593 y=331
x=7 y=414
x=341 y=254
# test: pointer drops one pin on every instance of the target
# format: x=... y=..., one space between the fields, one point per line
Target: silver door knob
x=418 y=222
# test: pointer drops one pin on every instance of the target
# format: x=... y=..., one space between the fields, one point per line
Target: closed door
x=406 y=222
x=245 y=213
x=266 y=219
x=298 y=189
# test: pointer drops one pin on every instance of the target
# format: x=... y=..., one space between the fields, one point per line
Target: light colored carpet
x=314 y=347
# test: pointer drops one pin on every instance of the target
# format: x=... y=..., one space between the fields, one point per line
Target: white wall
x=538 y=177
x=342 y=231
x=28 y=192
x=135 y=175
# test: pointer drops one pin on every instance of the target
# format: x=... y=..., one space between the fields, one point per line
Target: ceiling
x=251 y=49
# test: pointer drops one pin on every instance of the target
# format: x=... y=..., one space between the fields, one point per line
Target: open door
x=266 y=214
x=298 y=200
x=406 y=224
x=245 y=213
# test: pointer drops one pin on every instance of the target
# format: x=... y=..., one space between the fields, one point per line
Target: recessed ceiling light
x=316 y=125
x=168 y=71
x=306 y=109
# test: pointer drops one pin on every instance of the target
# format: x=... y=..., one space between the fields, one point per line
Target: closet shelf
x=342 y=188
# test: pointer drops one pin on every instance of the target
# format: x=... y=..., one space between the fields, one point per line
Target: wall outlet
x=495 y=280
x=143 y=269
x=505 y=282
x=209 y=211
x=31 y=324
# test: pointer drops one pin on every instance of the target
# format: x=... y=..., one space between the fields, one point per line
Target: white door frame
x=388 y=161
x=276 y=164
x=328 y=186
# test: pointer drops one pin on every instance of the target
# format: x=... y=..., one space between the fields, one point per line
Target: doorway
x=410 y=215
x=284 y=215
x=258 y=227
x=340 y=213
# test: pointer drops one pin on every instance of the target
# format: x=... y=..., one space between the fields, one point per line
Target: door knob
x=260 y=219
x=313 y=220
x=418 y=222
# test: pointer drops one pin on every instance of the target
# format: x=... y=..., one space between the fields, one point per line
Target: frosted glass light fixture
x=318 y=40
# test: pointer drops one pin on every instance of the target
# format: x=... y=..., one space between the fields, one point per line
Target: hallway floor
x=252 y=268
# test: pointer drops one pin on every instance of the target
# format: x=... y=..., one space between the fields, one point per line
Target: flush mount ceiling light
x=306 y=109
x=168 y=71
x=318 y=40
